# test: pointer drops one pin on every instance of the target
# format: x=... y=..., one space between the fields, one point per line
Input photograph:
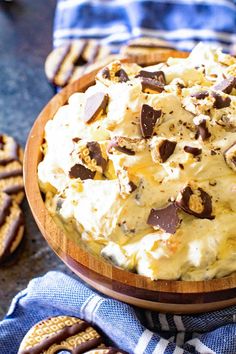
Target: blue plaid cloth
x=183 y=23
x=131 y=329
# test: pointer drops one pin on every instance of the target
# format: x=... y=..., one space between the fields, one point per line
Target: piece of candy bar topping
x=95 y=106
x=148 y=119
x=166 y=218
x=195 y=202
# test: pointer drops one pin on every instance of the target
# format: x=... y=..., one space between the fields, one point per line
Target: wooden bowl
x=165 y=296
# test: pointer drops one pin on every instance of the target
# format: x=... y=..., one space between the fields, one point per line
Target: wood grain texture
x=168 y=296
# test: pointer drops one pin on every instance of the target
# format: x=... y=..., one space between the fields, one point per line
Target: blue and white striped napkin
x=134 y=330
x=183 y=23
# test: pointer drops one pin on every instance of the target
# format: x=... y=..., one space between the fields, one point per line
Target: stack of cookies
x=11 y=196
x=77 y=57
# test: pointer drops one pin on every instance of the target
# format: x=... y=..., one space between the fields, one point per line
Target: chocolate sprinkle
x=132 y=186
x=226 y=85
x=203 y=131
x=166 y=218
x=148 y=120
x=192 y=150
x=205 y=199
x=151 y=84
x=96 y=154
x=220 y=102
x=166 y=149
x=95 y=104
x=122 y=75
x=80 y=171
x=200 y=95
x=156 y=75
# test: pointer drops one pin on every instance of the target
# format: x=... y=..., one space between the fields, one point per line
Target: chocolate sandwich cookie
x=61 y=333
x=146 y=50
x=11 y=226
x=63 y=65
x=11 y=173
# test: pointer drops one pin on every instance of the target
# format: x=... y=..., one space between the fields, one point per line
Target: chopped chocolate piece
x=230 y=156
x=151 y=85
x=2 y=143
x=213 y=153
x=181 y=166
x=226 y=85
x=156 y=75
x=193 y=150
x=197 y=203
x=106 y=73
x=166 y=218
x=220 y=102
x=96 y=154
x=200 y=95
x=132 y=186
x=166 y=149
x=127 y=145
x=203 y=131
x=95 y=105
x=122 y=75
x=76 y=140
x=148 y=120
x=80 y=171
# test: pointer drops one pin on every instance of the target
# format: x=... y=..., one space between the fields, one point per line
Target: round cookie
x=63 y=64
x=11 y=172
x=147 y=51
x=11 y=226
x=60 y=333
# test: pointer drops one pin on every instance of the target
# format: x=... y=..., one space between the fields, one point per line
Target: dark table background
x=25 y=40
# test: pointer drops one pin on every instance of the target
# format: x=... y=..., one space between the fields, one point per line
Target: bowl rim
x=70 y=252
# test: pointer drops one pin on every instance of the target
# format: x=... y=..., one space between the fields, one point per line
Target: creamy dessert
x=141 y=168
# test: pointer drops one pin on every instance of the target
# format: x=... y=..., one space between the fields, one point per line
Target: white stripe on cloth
x=93 y=31
x=178 y=351
x=185 y=33
x=200 y=347
x=161 y=346
x=143 y=342
x=71 y=3
x=178 y=323
x=91 y=307
x=188 y=45
x=163 y=322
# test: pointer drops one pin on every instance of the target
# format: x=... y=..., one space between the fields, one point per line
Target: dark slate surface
x=25 y=40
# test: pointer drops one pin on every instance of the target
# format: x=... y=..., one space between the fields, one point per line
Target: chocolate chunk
x=203 y=131
x=148 y=120
x=220 y=102
x=197 y=203
x=156 y=75
x=95 y=105
x=166 y=149
x=230 y=156
x=115 y=143
x=80 y=171
x=96 y=154
x=132 y=186
x=192 y=150
x=151 y=85
x=106 y=73
x=122 y=75
x=166 y=218
x=76 y=140
x=200 y=95
x=226 y=85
